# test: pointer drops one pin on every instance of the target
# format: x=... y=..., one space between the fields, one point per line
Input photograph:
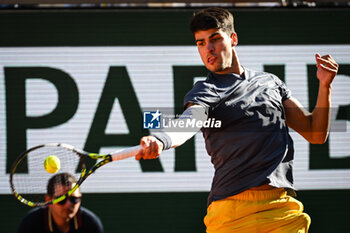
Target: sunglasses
x=72 y=199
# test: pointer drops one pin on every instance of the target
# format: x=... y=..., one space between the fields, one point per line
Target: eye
x=215 y=39
x=200 y=43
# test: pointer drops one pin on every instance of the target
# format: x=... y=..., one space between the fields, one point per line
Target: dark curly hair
x=212 y=18
x=65 y=179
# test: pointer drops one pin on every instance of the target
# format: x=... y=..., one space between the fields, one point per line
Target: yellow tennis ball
x=52 y=164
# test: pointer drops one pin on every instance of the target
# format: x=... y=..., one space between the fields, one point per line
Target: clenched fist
x=151 y=148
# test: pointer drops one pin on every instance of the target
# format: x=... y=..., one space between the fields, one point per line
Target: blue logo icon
x=152 y=120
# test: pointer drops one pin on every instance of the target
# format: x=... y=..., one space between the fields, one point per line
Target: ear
x=234 y=39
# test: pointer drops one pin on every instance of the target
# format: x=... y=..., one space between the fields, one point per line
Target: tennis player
x=252 y=151
x=62 y=217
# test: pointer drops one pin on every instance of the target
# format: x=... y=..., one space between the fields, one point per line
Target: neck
x=235 y=67
x=62 y=224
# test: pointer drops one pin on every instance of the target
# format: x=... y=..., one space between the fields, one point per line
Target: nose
x=210 y=47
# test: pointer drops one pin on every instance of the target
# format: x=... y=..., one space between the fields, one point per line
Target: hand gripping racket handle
x=126 y=153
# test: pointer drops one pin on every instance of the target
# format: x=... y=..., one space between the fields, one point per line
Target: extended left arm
x=314 y=127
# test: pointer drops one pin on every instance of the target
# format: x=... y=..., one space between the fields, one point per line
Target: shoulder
x=91 y=220
x=271 y=78
x=203 y=93
x=261 y=74
x=206 y=85
x=36 y=213
x=272 y=81
x=88 y=213
x=32 y=220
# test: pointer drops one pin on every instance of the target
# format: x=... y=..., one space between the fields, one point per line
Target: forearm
x=320 y=117
x=176 y=136
x=173 y=139
x=314 y=126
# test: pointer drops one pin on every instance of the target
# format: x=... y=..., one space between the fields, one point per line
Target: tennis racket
x=28 y=177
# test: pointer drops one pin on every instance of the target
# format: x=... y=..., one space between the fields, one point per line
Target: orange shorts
x=261 y=209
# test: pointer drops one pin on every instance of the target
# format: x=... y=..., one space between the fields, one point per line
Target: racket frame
x=119 y=155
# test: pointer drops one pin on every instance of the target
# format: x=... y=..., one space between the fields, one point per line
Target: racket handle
x=126 y=153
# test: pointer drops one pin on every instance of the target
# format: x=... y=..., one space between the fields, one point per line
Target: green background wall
x=168 y=27
x=173 y=212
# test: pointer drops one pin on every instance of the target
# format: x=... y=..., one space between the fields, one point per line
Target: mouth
x=211 y=60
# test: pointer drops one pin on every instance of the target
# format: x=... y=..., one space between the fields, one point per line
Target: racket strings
x=30 y=179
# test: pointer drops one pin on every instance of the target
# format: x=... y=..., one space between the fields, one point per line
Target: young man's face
x=216 y=49
x=68 y=209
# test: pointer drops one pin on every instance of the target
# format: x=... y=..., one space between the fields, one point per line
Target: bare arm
x=314 y=127
x=152 y=146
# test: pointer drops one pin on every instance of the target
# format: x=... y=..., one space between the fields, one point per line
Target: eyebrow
x=211 y=36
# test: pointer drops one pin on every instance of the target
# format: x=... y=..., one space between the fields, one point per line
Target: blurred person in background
x=66 y=216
